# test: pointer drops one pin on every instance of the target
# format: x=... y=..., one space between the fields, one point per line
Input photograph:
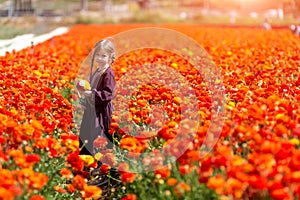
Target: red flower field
x=257 y=155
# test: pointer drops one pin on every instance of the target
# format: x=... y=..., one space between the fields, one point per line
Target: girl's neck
x=102 y=68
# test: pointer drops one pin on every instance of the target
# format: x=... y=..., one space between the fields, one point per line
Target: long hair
x=108 y=46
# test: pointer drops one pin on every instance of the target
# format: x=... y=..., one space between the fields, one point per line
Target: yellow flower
x=231 y=103
x=294 y=141
x=87 y=159
x=98 y=156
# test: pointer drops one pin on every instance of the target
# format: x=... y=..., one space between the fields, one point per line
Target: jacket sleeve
x=107 y=87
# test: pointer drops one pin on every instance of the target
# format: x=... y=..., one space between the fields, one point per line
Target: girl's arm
x=108 y=84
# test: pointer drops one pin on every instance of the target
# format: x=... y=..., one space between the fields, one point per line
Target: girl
x=98 y=105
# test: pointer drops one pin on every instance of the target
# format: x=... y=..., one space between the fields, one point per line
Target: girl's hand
x=87 y=93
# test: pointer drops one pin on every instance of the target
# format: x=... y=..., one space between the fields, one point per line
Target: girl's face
x=102 y=58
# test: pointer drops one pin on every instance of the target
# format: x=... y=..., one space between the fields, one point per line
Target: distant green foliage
x=86 y=20
x=8 y=32
x=150 y=17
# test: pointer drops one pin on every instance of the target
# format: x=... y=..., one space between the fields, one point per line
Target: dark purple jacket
x=104 y=94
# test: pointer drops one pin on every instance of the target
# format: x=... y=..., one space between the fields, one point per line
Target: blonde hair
x=108 y=46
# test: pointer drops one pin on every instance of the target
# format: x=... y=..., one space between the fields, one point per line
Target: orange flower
x=235 y=187
x=70 y=141
x=280 y=129
x=167 y=133
x=114 y=125
x=141 y=102
x=37 y=197
x=91 y=192
x=128 y=177
x=66 y=173
x=37 y=125
x=70 y=188
x=129 y=143
x=296 y=176
x=136 y=119
x=38 y=180
x=28 y=129
x=262 y=113
x=59 y=189
x=181 y=189
x=268 y=146
x=257 y=182
x=129 y=197
x=6 y=194
x=255 y=112
x=217 y=183
x=164 y=172
x=282 y=193
x=78 y=182
x=172 y=181
x=193 y=155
